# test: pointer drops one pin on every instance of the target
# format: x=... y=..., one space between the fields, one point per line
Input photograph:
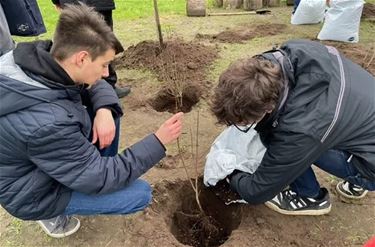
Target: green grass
x=125 y=10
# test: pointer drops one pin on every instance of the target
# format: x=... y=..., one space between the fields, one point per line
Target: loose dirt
x=245 y=33
x=180 y=66
x=368 y=11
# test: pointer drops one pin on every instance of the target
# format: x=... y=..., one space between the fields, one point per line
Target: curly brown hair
x=247 y=89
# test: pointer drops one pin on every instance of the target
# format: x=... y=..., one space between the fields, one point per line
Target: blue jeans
x=334 y=162
x=135 y=197
x=132 y=198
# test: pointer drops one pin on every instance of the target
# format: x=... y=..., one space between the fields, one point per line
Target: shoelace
x=291 y=196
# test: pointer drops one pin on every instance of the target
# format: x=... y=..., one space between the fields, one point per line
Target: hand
x=170 y=130
x=104 y=128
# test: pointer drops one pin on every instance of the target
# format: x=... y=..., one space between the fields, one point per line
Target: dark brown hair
x=246 y=90
x=81 y=28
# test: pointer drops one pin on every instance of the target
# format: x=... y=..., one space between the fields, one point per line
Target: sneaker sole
x=299 y=212
x=56 y=235
x=349 y=196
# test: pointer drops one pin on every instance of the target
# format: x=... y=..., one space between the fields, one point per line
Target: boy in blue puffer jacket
x=49 y=170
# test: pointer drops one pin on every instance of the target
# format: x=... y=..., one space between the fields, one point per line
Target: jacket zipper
x=333 y=51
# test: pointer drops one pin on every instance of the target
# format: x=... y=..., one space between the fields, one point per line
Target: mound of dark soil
x=368 y=10
x=245 y=33
x=181 y=66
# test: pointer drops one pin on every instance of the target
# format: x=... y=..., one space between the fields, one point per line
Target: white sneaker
x=60 y=226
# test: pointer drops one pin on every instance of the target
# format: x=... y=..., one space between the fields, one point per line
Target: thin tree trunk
x=252 y=4
x=157 y=19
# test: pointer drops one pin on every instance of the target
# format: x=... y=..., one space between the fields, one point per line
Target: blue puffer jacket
x=44 y=150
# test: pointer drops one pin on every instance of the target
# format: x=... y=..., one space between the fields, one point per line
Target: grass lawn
x=125 y=10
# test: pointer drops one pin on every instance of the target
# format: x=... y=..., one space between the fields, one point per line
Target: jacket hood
x=34 y=58
x=19 y=91
x=280 y=58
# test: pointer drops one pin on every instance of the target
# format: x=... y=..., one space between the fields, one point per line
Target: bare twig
x=183 y=164
x=176 y=82
x=196 y=165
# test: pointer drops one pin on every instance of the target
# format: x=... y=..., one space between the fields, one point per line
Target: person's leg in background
x=296 y=3
x=112 y=78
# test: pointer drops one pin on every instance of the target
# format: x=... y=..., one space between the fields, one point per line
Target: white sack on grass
x=232 y=150
x=342 y=21
x=309 y=12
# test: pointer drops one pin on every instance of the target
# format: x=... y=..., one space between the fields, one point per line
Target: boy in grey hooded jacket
x=311 y=105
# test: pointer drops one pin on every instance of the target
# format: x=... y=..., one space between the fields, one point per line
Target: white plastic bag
x=309 y=12
x=342 y=21
x=232 y=150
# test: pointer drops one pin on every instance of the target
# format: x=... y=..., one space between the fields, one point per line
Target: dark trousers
x=296 y=3
x=334 y=162
x=112 y=78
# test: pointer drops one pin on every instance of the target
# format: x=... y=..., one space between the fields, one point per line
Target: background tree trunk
x=232 y=4
x=219 y=3
x=252 y=4
x=274 y=3
x=196 y=8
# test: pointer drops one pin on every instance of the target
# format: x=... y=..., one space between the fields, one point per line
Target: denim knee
x=144 y=192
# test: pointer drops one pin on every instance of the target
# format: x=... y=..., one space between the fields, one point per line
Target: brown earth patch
x=368 y=10
x=180 y=66
x=249 y=225
x=245 y=33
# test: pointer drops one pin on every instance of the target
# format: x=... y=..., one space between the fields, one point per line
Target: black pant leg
x=112 y=78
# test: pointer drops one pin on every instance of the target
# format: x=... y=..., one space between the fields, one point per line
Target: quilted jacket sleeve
x=284 y=160
x=64 y=153
x=102 y=95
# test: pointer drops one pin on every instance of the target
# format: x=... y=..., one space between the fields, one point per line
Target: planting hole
x=213 y=228
x=166 y=99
